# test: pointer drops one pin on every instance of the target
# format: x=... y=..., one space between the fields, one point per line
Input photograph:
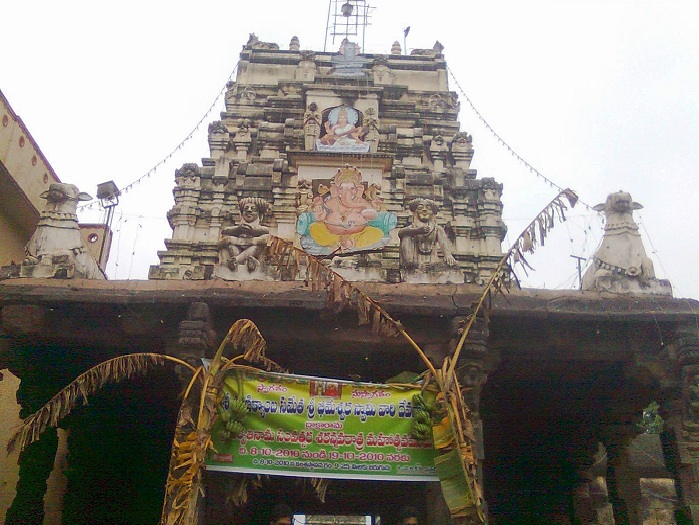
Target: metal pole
x=107 y=226
x=327 y=26
x=579 y=268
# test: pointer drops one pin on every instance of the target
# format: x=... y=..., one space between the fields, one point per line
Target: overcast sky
x=598 y=96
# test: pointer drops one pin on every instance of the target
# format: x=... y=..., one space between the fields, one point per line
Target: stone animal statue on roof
x=56 y=249
x=620 y=264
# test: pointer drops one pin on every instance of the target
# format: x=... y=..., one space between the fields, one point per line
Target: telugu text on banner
x=313 y=427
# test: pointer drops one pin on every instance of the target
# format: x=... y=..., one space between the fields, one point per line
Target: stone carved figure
x=217 y=127
x=346 y=217
x=242 y=138
x=371 y=130
x=620 y=263
x=306 y=69
x=438 y=152
x=244 y=243
x=218 y=138
x=56 y=248
x=436 y=50
x=421 y=240
x=303 y=198
x=311 y=126
x=461 y=147
x=255 y=43
x=247 y=96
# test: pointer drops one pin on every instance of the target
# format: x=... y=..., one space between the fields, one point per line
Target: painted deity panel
x=342 y=131
x=346 y=215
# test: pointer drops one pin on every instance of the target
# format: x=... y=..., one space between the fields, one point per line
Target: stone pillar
x=591 y=498
x=9 y=421
x=57 y=482
x=684 y=419
x=475 y=362
x=643 y=482
x=35 y=464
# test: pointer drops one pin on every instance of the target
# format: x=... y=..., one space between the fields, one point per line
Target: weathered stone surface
x=620 y=263
x=283 y=102
x=56 y=249
x=242 y=245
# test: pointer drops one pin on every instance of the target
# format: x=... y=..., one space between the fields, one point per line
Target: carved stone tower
x=357 y=158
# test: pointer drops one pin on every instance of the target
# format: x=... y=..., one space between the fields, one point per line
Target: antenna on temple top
x=346 y=18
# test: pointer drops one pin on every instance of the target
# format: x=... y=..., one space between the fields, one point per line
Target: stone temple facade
x=584 y=405
x=300 y=125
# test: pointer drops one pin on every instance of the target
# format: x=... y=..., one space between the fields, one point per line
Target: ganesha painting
x=345 y=216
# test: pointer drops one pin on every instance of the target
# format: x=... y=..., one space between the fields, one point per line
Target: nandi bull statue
x=620 y=264
x=56 y=249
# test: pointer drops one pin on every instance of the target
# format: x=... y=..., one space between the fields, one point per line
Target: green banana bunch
x=233 y=416
x=239 y=409
x=236 y=428
x=422 y=417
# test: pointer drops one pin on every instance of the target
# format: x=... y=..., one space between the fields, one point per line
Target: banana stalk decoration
x=454 y=430
x=448 y=415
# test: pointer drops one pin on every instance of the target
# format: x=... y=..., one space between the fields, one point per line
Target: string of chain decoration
x=179 y=146
x=531 y=168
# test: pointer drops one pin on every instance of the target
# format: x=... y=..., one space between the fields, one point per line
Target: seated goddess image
x=346 y=217
x=342 y=131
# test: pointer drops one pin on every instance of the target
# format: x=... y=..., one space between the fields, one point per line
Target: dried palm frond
x=537 y=230
x=245 y=334
x=86 y=384
x=526 y=241
x=193 y=437
x=238 y=487
x=320 y=485
x=289 y=261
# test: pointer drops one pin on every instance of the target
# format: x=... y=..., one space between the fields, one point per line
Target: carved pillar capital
x=476 y=360
x=195 y=336
x=591 y=498
x=683 y=348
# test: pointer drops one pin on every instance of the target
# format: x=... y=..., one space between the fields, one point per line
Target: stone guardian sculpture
x=244 y=243
x=422 y=239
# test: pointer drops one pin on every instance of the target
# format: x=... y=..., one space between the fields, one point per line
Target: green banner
x=312 y=427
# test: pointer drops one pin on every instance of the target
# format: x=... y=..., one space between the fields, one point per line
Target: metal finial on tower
x=346 y=18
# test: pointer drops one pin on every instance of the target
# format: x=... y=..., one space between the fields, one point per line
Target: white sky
x=597 y=95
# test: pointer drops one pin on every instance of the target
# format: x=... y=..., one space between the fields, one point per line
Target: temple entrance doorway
x=347 y=502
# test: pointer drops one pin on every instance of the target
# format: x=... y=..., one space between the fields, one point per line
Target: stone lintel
x=364 y=160
x=415 y=299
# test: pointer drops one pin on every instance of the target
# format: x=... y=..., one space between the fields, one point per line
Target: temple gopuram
x=338 y=211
